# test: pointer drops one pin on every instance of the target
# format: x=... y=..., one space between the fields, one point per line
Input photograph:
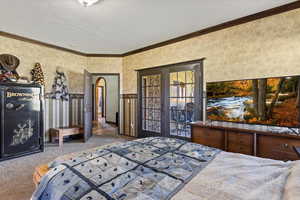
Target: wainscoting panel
x=129 y=103
x=60 y=113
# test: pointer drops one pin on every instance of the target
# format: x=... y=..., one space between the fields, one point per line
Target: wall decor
x=59 y=87
x=37 y=74
x=8 y=66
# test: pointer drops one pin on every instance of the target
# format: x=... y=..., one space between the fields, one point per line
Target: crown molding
x=249 y=18
x=104 y=55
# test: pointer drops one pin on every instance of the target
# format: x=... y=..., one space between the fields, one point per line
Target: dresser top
x=249 y=128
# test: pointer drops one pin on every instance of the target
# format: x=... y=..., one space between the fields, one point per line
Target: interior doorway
x=106 y=95
x=100 y=99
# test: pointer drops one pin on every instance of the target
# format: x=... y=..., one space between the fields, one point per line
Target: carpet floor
x=16 y=174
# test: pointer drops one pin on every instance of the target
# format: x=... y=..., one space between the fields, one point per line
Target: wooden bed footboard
x=39 y=172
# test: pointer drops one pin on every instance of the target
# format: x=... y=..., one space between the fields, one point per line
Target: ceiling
x=119 y=26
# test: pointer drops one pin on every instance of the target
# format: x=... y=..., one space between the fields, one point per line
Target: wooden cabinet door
x=240 y=142
x=278 y=148
x=209 y=137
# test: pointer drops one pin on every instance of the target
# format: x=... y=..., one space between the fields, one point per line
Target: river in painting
x=229 y=107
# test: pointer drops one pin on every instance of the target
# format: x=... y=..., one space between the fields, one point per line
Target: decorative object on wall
x=37 y=74
x=59 y=87
x=8 y=66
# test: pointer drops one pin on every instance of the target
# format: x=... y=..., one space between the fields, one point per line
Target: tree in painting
x=255 y=96
x=275 y=97
x=261 y=104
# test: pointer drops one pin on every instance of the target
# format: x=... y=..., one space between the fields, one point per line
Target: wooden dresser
x=279 y=146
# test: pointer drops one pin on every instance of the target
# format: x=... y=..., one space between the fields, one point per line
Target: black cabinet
x=21 y=117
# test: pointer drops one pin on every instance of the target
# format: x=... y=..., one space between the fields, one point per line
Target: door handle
x=19 y=107
x=162 y=108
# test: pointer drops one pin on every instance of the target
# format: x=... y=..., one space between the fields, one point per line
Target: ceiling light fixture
x=87 y=3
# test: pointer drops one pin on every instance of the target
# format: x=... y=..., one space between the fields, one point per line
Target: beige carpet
x=16 y=175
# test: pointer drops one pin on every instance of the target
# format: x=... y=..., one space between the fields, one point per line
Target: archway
x=100 y=103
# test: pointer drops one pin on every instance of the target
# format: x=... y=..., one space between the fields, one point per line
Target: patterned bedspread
x=145 y=169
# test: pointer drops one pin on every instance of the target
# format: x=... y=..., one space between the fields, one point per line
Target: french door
x=169 y=98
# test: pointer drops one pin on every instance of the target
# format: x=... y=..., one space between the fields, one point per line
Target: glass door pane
x=151 y=103
x=181 y=103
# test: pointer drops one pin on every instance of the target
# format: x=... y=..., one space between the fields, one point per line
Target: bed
x=158 y=168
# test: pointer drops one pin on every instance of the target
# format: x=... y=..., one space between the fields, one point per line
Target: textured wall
x=106 y=65
x=73 y=65
x=262 y=48
x=49 y=58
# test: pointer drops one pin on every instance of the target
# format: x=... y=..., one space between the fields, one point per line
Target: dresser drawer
x=240 y=142
x=209 y=137
x=278 y=148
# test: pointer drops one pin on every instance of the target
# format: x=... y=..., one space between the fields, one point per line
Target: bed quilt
x=147 y=169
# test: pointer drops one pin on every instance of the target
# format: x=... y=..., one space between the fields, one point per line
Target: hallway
x=100 y=127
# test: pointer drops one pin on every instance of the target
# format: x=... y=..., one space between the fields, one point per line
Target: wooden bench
x=64 y=131
x=39 y=172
